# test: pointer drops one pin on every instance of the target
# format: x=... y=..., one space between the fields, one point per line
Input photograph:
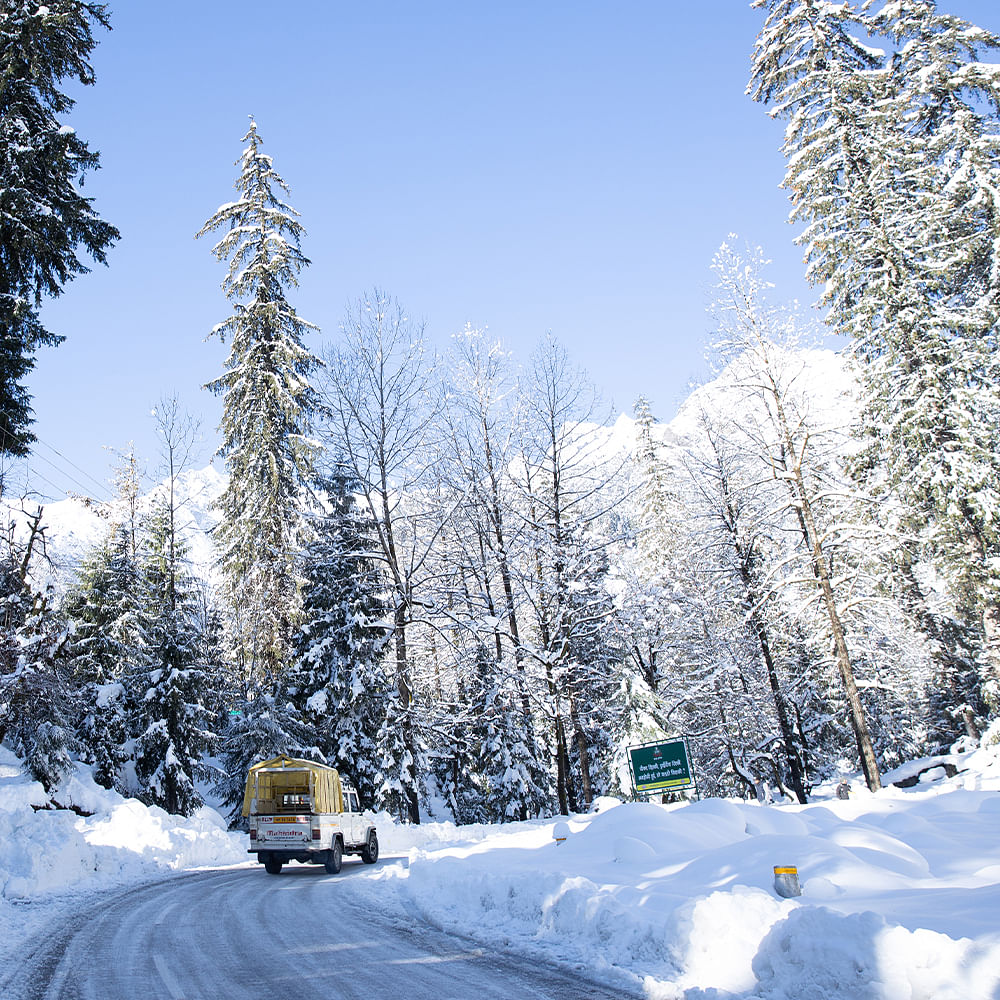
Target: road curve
x=238 y=933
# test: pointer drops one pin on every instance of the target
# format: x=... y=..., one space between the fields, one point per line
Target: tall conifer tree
x=174 y=693
x=107 y=642
x=892 y=165
x=338 y=684
x=267 y=404
x=44 y=219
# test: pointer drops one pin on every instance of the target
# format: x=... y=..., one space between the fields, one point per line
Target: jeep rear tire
x=334 y=858
x=272 y=866
x=369 y=853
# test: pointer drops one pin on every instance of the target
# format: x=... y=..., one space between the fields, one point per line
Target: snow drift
x=900 y=901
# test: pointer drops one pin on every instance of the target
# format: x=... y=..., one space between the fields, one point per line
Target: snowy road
x=240 y=933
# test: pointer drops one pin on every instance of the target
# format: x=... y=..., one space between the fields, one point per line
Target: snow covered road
x=900 y=901
x=236 y=933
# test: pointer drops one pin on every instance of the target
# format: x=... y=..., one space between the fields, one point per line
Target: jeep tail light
x=253 y=834
x=315 y=833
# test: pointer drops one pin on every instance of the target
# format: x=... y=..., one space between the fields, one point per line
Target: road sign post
x=661 y=767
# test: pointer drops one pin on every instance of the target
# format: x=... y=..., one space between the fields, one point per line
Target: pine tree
x=257 y=731
x=592 y=669
x=176 y=708
x=503 y=780
x=943 y=418
x=401 y=763
x=36 y=691
x=649 y=577
x=41 y=712
x=519 y=782
x=267 y=406
x=651 y=565
x=812 y=63
x=104 y=607
x=463 y=761
x=107 y=643
x=337 y=683
x=892 y=165
x=43 y=217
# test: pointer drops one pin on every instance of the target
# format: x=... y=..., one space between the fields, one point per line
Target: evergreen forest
x=450 y=575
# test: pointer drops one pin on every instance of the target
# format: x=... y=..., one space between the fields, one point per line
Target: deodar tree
x=268 y=402
x=44 y=219
x=338 y=683
x=893 y=169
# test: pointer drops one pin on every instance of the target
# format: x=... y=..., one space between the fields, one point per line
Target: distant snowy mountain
x=824 y=378
x=821 y=376
x=75 y=526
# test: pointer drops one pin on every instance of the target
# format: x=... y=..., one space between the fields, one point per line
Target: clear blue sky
x=528 y=166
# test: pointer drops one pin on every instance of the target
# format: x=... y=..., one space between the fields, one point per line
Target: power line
x=102 y=493
x=83 y=472
x=66 y=474
x=32 y=473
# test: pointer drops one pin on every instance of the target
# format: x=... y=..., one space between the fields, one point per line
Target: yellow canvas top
x=288 y=784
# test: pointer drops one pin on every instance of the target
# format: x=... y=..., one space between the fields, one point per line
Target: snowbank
x=900 y=890
x=96 y=837
x=900 y=900
x=48 y=856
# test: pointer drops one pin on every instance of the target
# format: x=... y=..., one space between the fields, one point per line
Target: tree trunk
x=562 y=767
x=584 y=751
x=991 y=632
x=811 y=536
x=861 y=735
x=405 y=694
x=787 y=733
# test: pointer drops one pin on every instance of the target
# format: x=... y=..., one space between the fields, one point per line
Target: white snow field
x=900 y=890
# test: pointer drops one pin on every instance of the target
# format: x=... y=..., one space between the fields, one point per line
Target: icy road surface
x=236 y=933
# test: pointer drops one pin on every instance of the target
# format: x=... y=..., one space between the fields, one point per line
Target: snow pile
x=87 y=837
x=54 y=851
x=901 y=891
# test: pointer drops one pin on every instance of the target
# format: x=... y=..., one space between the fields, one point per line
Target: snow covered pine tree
x=267 y=405
x=43 y=216
x=892 y=166
x=337 y=683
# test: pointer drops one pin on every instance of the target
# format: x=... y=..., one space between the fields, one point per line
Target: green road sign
x=661 y=766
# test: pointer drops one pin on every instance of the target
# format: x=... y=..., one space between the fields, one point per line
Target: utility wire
x=83 y=472
x=85 y=489
x=31 y=472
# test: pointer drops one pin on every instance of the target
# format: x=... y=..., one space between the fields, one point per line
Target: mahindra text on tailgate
x=284 y=829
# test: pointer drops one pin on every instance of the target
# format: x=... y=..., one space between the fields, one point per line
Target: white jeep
x=299 y=810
